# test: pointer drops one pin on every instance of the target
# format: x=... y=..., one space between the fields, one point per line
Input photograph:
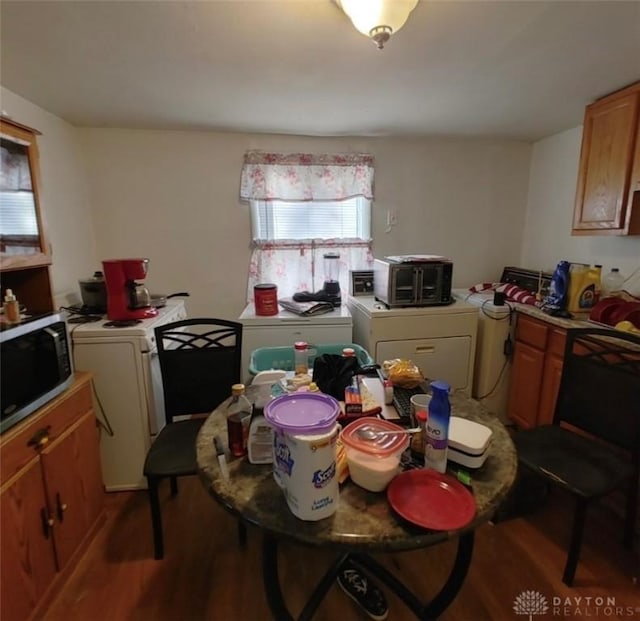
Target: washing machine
x=494 y=348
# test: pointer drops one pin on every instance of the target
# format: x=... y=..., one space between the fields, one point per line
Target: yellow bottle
x=584 y=287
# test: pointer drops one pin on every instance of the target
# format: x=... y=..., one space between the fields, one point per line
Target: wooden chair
x=199 y=362
x=593 y=446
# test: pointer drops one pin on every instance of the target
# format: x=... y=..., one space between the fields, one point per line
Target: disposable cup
x=419 y=402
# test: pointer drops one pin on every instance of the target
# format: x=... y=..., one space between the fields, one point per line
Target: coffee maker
x=127 y=298
x=330 y=291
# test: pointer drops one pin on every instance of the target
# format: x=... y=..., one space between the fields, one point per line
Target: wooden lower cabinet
x=536 y=372
x=51 y=499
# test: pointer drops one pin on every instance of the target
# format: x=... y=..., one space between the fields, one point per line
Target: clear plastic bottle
x=597 y=271
x=238 y=420
x=612 y=283
x=301 y=358
x=436 y=436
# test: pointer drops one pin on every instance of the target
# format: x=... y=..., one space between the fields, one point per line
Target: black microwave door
x=31 y=367
x=404 y=285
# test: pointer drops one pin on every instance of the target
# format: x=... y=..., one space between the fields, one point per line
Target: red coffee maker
x=127 y=298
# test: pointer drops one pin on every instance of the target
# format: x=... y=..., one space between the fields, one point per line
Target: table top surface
x=363 y=520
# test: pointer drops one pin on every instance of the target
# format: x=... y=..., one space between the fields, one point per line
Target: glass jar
x=238 y=420
x=301 y=358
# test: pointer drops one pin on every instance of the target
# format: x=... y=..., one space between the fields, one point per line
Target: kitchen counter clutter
x=285 y=328
x=363 y=522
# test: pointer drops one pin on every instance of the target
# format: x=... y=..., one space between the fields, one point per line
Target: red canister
x=265 y=297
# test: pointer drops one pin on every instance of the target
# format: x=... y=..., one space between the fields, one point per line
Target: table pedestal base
x=425 y=612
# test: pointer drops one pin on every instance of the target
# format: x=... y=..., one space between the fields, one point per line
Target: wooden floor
x=206 y=575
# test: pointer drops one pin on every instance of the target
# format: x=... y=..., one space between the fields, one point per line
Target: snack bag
x=403 y=373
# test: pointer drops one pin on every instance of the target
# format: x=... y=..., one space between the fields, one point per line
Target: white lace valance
x=305 y=177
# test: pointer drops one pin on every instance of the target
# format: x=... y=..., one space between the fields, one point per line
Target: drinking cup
x=419 y=403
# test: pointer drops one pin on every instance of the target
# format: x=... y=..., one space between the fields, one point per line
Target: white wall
x=173 y=197
x=547 y=234
x=64 y=196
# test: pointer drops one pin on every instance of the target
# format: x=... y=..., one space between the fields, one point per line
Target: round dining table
x=364 y=521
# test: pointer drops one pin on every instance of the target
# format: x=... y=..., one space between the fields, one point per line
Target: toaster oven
x=413 y=280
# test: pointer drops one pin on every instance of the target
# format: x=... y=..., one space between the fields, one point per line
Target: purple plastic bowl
x=303 y=413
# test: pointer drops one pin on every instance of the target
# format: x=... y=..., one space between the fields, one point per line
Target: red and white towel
x=512 y=293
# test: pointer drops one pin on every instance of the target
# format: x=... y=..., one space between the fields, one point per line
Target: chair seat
x=174 y=451
x=585 y=467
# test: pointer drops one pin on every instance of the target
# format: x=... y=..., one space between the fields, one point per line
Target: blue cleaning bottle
x=437 y=429
x=559 y=287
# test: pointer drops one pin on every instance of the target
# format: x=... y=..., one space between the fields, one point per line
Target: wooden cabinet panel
x=536 y=372
x=532 y=332
x=550 y=387
x=75 y=500
x=51 y=500
x=605 y=180
x=27 y=564
x=25 y=255
x=526 y=381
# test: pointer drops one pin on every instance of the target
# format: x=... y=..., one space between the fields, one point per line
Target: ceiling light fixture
x=378 y=19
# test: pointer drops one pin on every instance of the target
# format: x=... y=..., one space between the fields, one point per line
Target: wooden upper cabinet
x=607 y=196
x=23 y=240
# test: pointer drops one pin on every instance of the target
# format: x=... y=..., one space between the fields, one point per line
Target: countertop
x=580 y=320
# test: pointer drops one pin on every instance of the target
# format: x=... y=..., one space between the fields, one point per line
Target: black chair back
x=600 y=386
x=199 y=362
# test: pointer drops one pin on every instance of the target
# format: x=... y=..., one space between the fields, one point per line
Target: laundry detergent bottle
x=559 y=287
x=436 y=435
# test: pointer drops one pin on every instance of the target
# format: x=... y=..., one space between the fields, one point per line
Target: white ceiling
x=514 y=69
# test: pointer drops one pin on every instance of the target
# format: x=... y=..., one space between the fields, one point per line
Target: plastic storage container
x=267 y=358
x=304 y=463
x=468 y=442
x=373 y=463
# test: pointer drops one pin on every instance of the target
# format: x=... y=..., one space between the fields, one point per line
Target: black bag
x=333 y=373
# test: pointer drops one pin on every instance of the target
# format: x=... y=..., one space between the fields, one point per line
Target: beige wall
x=64 y=196
x=547 y=233
x=173 y=197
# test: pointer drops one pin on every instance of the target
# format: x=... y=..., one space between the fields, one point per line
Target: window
x=303 y=206
x=286 y=220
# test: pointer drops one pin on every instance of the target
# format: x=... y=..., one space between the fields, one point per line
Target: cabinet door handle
x=47 y=523
x=426 y=349
x=61 y=507
x=40 y=438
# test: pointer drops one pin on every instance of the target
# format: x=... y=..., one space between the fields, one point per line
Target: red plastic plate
x=432 y=500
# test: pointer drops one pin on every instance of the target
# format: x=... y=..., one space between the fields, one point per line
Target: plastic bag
x=403 y=373
x=333 y=373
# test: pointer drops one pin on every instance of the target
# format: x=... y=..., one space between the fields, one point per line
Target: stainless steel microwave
x=413 y=280
x=36 y=366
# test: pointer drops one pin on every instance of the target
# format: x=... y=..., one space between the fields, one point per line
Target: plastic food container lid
x=468 y=436
x=302 y=413
x=383 y=445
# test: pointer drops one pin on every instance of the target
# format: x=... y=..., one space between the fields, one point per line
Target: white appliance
x=440 y=340
x=128 y=387
x=496 y=325
x=286 y=328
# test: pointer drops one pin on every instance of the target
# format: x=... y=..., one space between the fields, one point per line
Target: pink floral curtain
x=306 y=177
x=297 y=265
